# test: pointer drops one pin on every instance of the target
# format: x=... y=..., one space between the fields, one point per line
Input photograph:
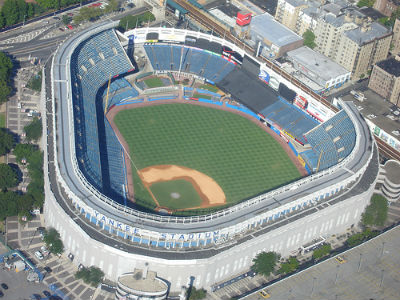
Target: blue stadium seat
x=102 y=57
x=211 y=66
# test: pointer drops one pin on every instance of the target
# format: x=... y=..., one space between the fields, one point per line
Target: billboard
x=243 y=18
x=301 y=102
x=231 y=55
x=264 y=76
x=318 y=110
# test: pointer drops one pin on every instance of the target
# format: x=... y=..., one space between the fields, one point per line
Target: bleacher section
x=331 y=142
x=120 y=89
x=290 y=118
x=92 y=64
x=206 y=64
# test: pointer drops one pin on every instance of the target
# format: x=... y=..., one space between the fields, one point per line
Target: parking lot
x=59 y=279
x=371 y=271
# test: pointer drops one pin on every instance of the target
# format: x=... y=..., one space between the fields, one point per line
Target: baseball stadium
x=179 y=152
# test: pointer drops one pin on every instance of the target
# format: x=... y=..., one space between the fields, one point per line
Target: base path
x=208 y=189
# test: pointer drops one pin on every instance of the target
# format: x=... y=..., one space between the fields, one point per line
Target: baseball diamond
x=237 y=154
x=128 y=192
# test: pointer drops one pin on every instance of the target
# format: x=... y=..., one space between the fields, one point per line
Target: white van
x=39 y=255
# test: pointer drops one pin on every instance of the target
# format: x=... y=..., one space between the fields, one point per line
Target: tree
x=196 y=294
x=6 y=66
x=368 y=3
x=35 y=82
x=57 y=247
x=375 y=213
x=113 y=5
x=264 y=263
x=92 y=275
x=309 y=39
x=33 y=130
x=289 y=266
x=53 y=241
x=322 y=251
x=8 y=177
x=10 y=12
x=22 y=151
x=8 y=204
x=6 y=141
x=66 y=19
x=129 y=22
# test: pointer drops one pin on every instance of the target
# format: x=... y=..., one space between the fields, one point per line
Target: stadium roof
x=317 y=63
x=265 y=26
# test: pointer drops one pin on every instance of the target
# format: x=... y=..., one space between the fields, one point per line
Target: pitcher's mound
x=175 y=195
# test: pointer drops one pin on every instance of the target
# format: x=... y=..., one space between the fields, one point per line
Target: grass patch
x=196 y=95
x=209 y=87
x=153 y=82
x=188 y=196
x=241 y=157
x=2 y=120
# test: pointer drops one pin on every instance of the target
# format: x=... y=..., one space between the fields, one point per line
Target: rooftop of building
x=228 y=9
x=372 y=32
x=137 y=282
x=374 y=108
x=390 y=65
x=296 y=3
x=269 y=6
x=372 y=13
x=266 y=26
x=317 y=63
x=392 y=168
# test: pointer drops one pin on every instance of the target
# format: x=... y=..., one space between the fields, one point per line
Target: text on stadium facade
x=167 y=236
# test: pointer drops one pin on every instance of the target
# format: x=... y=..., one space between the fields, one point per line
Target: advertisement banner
x=264 y=76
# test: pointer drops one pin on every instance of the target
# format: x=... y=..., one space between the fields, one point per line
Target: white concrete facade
x=331 y=220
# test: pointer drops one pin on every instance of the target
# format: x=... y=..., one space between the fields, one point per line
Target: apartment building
x=360 y=48
x=287 y=12
x=386 y=7
x=385 y=79
x=396 y=38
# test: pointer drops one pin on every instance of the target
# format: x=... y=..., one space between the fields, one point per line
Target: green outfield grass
x=153 y=82
x=188 y=196
x=241 y=157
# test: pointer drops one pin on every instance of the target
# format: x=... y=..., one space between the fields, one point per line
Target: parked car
x=44 y=250
x=1 y=294
x=264 y=294
x=47 y=293
x=340 y=259
x=39 y=255
x=61 y=29
x=4 y=286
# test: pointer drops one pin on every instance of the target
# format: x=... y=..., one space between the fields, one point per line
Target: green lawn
x=2 y=120
x=188 y=196
x=211 y=88
x=197 y=95
x=236 y=153
x=153 y=82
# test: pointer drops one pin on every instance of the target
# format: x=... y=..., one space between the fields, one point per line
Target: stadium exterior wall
x=286 y=239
